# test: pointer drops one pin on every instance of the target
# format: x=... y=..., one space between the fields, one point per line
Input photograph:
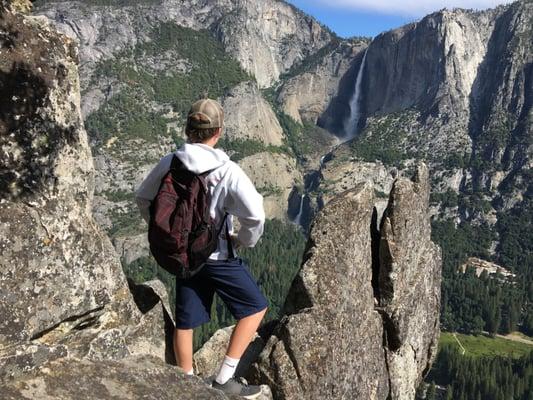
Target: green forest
x=131 y=112
x=494 y=304
x=455 y=376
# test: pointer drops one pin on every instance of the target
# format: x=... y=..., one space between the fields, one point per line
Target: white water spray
x=298 y=219
x=351 y=123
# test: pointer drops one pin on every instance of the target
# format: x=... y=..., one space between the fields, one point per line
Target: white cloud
x=413 y=8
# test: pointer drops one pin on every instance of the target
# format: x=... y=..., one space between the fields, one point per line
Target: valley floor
x=514 y=344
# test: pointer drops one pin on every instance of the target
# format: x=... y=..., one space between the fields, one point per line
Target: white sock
x=227 y=369
x=191 y=372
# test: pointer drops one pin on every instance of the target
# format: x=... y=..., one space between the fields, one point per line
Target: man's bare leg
x=183 y=348
x=240 y=339
x=243 y=333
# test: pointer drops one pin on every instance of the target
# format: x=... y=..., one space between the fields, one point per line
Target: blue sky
x=371 y=17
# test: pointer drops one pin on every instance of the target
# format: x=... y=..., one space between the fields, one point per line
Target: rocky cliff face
x=68 y=311
x=250 y=116
x=266 y=37
x=429 y=66
x=362 y=315
x=440 y=67
x=453 y=89
x=501 y=106
x=306 y=94
x=274 y=176
x=404 y=63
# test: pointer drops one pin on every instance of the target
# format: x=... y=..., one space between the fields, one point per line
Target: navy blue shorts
x=233 y=283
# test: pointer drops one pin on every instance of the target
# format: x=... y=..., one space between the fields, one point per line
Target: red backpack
x=181 y=233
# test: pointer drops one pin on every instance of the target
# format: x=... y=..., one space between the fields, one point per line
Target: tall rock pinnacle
x=363 y=312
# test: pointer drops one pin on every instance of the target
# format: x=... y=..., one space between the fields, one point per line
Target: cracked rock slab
x=57 y=266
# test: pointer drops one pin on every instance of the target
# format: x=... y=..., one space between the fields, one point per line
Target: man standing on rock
x=232 y=193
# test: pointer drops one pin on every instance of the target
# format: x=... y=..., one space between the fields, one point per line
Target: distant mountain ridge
x=266 y=37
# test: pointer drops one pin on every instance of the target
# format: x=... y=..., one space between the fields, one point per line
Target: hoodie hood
x=199 y=158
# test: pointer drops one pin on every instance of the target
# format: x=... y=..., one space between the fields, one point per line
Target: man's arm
x=147 y=190
x=247 y=205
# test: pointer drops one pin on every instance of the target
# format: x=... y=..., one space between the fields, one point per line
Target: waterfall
x=298 y=218
x=312 y=179
x=311 y=182
x=351 y=123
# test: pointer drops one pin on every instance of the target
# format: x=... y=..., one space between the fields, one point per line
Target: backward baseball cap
x=205 y=114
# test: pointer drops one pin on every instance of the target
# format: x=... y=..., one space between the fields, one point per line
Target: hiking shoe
x=234 y=387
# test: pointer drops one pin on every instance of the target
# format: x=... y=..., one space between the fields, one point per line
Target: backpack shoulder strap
x=224 y=225
x=231 y=253
x=176 y=163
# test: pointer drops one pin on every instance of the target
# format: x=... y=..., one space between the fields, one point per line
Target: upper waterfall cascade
x=351 y=123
